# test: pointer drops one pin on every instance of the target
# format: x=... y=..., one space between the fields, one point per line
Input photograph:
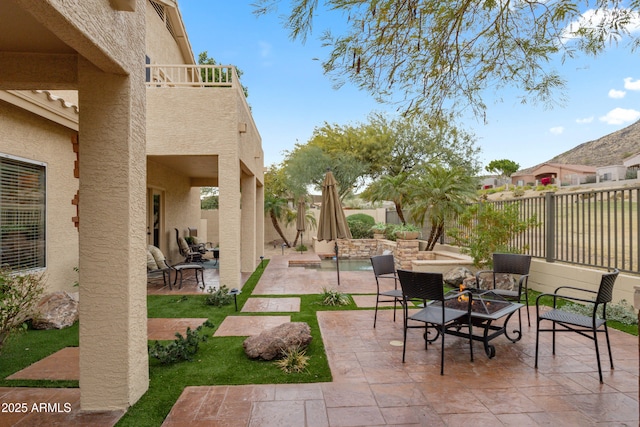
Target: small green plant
x=518 y=192
x=379 y=228
x=334 y=297
x=19 y=296
x=301 y=248
x=295 y=360
x=180 y=349
x=218 y=297
x=621 y=312
x=190 y=240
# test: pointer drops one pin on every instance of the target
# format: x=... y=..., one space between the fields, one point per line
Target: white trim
x=22 y=159
x=44 y=104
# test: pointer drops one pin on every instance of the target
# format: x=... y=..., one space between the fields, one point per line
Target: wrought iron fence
x=598 y=228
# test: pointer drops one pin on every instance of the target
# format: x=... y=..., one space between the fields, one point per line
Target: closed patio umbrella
x=333 y=223
x=300 y=219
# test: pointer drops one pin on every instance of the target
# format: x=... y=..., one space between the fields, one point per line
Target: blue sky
x=290 y=96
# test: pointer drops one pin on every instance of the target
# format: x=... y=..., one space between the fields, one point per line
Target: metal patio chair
x=511 y=264
x=157 y=263
x=587 y=326
x=384 y=267
x=424 y=286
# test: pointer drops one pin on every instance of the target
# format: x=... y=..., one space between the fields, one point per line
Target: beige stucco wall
x=161 y=46
x=546 y=277
x=181 y=205
x=31 y=137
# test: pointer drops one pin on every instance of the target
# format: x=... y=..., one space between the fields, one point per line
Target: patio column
x=248 y=228
x=260 y=221
x=229 y=221
x=113 y=328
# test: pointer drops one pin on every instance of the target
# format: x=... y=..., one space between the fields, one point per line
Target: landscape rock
x=57 y=310
x=457 y=275
x=503 y=281
x=271 y=343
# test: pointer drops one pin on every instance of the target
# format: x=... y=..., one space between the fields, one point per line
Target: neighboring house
x=632 y=162
x=611 y=173
x=90 y=186
x=555 y=173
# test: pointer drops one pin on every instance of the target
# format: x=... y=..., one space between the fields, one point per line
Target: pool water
x=345 y=265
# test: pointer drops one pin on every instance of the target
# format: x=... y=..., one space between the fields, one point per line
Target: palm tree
x=277 y=208
x=440 y=193
x=389 y=187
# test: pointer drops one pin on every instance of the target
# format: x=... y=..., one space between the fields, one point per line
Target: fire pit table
x=487 y=308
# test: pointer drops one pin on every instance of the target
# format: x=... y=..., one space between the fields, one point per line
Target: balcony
x=195 y=113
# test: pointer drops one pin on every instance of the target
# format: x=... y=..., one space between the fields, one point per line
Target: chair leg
x=595 y=341
x=375 y=314
x=395 y=302
x=537 y=339
x=606 y=334
x=404 y=346
x=470 y=337
x=526 y=301
x=442 y=351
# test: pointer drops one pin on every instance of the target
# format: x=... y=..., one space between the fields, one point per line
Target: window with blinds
x=22 y=214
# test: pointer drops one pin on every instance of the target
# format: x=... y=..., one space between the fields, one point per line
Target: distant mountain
x=609 y=150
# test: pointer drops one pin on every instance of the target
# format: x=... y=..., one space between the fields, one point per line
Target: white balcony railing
x=191 y=76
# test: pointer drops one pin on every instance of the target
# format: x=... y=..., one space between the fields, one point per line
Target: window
x=22 y=213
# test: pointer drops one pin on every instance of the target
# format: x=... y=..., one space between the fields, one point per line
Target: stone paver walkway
x=274 y=305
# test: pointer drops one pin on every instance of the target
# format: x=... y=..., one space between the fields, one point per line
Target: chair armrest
x=566 y=297
x=478 y=273
x=575 y=289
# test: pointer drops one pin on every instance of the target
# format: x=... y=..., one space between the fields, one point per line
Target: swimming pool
x=345 y=265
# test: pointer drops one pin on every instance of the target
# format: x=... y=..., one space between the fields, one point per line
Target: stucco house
x=101 y=154
x=556 y=173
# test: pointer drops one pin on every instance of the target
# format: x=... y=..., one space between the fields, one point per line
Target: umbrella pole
x=337 y=262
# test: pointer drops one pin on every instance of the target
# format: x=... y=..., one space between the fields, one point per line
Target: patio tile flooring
x=274 y=305
x=371 y=385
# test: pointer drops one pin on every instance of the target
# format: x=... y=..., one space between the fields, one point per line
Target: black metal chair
x=424 y=286
x=511 y=264
x=384 y=267
x=587 y=326
x=190 y=253
x=157 y=263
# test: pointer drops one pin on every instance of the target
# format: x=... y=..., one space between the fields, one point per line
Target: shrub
x=301 y=248
x=218 y=298
x=367 y=219
x=359 y=229
x=180 y=349
x=492 y=230
x=334 y=297
x=295 y=360
x=19 y=295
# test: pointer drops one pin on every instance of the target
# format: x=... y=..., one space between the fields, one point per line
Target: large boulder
x=456 y=276
x=273 y=342
x=503 y=281
x=56 y=311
